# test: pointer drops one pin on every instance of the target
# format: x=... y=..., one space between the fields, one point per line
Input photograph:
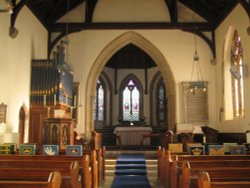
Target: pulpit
x=58 y=131
x=131 y=136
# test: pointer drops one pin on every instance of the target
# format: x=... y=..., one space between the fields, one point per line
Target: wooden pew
x=204 y=181
x=96 y=145
x=60 y=160
x=177 y=160
x=218 y=173
x=165 y=165
x=53 y=181
x=162 y=169
x=69 y=175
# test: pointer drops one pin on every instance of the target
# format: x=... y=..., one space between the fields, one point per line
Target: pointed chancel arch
x=108 y=52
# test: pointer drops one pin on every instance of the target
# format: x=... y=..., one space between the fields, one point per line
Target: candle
x=54 y=99
x=74 y=101
x=204 y=139
x=44 y=100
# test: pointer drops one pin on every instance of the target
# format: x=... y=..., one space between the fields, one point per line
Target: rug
x=131 y=172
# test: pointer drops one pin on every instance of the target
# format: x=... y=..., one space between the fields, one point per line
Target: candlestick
x=74 y=101
x=44 y=100
x=54 y=99
x=204 y=139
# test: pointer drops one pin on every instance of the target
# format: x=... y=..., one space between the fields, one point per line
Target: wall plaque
x=3 y=112
x=195 y=105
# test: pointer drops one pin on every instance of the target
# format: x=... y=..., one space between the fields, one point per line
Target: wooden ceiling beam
x=38 y=14
x=172 y=8
x=196 y=7
x=59 y=27
x=63 y=10
x=224 y=14
x=90 y=7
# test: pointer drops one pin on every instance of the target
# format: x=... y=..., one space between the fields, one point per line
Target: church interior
x=111 y=81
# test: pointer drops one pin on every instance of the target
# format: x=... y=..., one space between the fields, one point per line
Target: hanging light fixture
x=9 y=7
x=196 y=81
x=66 y=65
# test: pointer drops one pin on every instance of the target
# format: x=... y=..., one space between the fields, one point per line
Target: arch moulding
x=108 y=52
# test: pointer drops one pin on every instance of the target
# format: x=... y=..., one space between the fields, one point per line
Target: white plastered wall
x=15 y=61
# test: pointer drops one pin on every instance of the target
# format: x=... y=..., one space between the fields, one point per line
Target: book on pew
x=175 y=148
x=7 y=149
x=247 y=145
x=14 y=145
x=74 y=150
x=227 y=147
x=216 y=150
x=50 y=150
x=27 y=149
x=195 y=149
x=238 y=150
x=207 y=148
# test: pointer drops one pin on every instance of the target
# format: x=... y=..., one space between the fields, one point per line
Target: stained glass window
x=161 y=104
x=130 y=102
x=99 y=103
x=237 y=82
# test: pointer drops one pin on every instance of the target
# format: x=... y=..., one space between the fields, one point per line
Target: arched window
x=131 y=100
x=158 y=102
x=161 y=103
x=99 y=102
x=237 y=78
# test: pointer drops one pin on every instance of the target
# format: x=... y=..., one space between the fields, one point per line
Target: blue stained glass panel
x=100 y=103
x=126 y=104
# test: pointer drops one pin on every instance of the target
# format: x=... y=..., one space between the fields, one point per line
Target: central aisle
x=131 y=172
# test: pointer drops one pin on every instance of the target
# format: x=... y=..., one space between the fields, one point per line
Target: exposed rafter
x=213 y=11
x=172 y=7
x=16 y=11
x=90 y=7
x=40 y=16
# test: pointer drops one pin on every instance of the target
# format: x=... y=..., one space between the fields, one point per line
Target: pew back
x=177 y=159
x=205 y=182
x=190 y=174
x=53 y=181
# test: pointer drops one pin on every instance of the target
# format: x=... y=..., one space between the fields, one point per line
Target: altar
x=132 y=136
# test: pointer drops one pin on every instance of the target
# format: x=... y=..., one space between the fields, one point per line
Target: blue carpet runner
x=131 y=172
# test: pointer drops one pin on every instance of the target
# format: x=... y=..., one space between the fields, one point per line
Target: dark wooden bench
x=165 y=165
x=52 y=181
x=87 y=169
x=217 y=173
x=176 y=164
x=69 y=175
x=204 y=181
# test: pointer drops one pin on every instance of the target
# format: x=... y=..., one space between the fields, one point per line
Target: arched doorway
x=106 y=54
